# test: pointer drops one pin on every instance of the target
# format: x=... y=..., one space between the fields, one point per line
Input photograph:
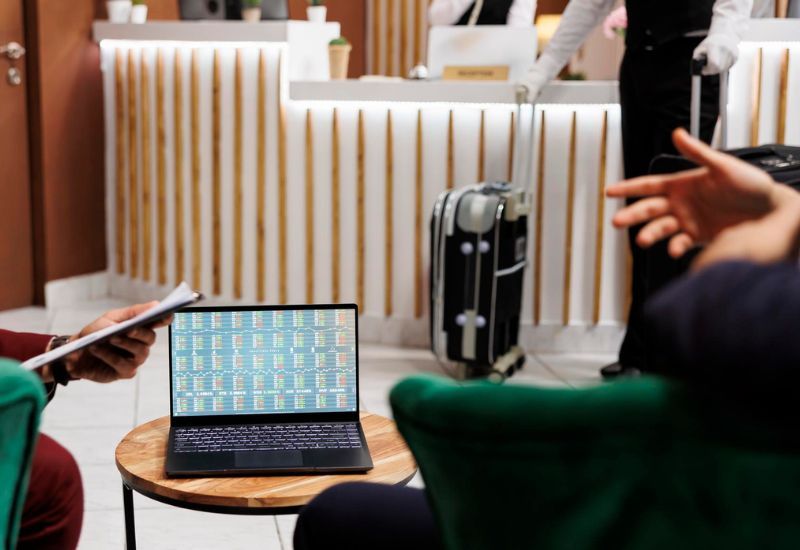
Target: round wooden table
x=141 y=455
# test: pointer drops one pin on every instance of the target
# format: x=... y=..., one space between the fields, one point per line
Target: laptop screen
x=264 y=361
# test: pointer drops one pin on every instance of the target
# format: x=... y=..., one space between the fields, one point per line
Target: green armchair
x=22 y=399
x=639 y=464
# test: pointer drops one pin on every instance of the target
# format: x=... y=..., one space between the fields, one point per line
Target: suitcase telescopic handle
x=698 y=64
x=523 y=174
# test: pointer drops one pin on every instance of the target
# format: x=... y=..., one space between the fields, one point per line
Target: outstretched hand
x=693 y=207
x=120 y=356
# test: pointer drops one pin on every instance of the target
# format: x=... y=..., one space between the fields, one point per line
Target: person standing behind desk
x=514 y=13
x=655 y=88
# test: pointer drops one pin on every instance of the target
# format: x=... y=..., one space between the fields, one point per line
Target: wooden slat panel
x=389 y=217
x=196 y=214
x=261 y=179
x=144 y=93
x=404 y=66
x=133 y=163
x=309 y=198
x=756 y=108
x=119 y=157
x=161 y=173
x=482 y=147
x=282 y=199
x=418 y=30
x=335 y=212
x=390 y=29
x=418 y=223
x=782 y=96
x=600 y=226
x=237 y=175
x=360 y=191
x=450 y=152
x=570 y=219
x=537 y=249
x=375 y=36
x=177 y=123
x=216 y=177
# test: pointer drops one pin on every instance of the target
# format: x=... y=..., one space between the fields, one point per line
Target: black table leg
x=130 y=528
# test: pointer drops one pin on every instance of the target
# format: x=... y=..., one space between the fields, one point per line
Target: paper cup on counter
x=339 y=56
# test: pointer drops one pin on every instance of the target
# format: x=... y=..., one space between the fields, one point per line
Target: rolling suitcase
x=478 y=256
x=782 y=162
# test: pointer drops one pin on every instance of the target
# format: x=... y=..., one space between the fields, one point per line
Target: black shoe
x=618 y=370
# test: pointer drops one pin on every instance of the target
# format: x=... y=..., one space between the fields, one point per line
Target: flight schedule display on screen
x=262 y=362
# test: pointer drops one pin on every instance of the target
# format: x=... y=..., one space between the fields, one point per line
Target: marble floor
x=90 y=419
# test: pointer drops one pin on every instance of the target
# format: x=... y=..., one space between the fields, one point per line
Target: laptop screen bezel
x=268 y=418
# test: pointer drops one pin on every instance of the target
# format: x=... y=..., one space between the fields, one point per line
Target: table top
x=141 y=455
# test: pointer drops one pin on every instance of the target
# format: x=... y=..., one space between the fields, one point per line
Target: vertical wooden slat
x=216 y=176
x=570 y=218
x=756 y=108
x=335 y=206
x=309 y=196
x=450 y=152
x=390 y=22
x=360 y=226
x=537 y=249
x=418 y=223
x=119 y=158
x=782 y=96
x=261 y=178
x=144 y=94
x=237 y=174
x=133 y=164
x=196 y=214
x=418 y=30
x=282 y=199
x=404 y=66
x=511 y=137
x=375 y=36
x=161 y=173
x=177 y=108
x=600 y=226
x=482 y=147
x=389 y=216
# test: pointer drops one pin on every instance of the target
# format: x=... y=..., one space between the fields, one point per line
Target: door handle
x=12 y=50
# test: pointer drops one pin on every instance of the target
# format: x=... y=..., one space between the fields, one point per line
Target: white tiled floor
x=90 y=419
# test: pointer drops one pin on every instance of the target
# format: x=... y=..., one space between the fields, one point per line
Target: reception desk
x=255 y=183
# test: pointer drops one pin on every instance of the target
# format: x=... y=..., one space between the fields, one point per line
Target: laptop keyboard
x=267 y=437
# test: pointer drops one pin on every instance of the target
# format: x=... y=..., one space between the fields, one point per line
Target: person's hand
x=118 y=357
x=534 y=82
x=694 y=206
x=721 y=51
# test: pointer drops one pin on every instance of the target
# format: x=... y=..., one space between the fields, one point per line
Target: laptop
x=482 y=45
x=265 y=390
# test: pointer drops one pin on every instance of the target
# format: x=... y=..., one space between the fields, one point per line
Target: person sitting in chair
x=53 y=510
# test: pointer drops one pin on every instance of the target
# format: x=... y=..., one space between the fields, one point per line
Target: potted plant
x=316 y=11
x=138 y=11
x=251 y=10
x=339 y=57
x=119 y=11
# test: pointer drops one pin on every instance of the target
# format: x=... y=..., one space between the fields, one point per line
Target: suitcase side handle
x=697 y=66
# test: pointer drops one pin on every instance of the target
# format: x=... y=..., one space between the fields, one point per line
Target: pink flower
x=616 y=22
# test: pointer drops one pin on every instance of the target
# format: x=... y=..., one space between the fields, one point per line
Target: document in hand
x=181 y=297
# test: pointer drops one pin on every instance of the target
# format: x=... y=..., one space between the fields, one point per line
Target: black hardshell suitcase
x=782 y=162
x=478 y=256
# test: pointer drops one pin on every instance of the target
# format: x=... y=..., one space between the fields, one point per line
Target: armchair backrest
x=21 y=402
x=634 y=464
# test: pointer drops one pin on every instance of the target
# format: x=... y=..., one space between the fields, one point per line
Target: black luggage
x=782 y=162
x=478 y=255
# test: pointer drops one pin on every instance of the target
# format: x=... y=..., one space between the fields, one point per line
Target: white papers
x=182 y=296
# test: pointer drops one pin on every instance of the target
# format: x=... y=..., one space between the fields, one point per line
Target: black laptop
x=265 y=390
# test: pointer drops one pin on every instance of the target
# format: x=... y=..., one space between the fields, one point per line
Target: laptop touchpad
x=268 y=459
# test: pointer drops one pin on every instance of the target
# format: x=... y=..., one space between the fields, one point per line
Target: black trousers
x=655 y=92
x=367 y=516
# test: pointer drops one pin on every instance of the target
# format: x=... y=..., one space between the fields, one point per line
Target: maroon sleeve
x=22 y=345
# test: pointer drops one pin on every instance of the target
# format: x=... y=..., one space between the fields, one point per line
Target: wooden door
x=16 y=244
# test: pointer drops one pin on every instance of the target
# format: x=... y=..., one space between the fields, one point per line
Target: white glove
x=721 y=50
x=534 y=82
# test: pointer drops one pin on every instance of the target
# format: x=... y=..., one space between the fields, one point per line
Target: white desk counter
x=258 y=186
